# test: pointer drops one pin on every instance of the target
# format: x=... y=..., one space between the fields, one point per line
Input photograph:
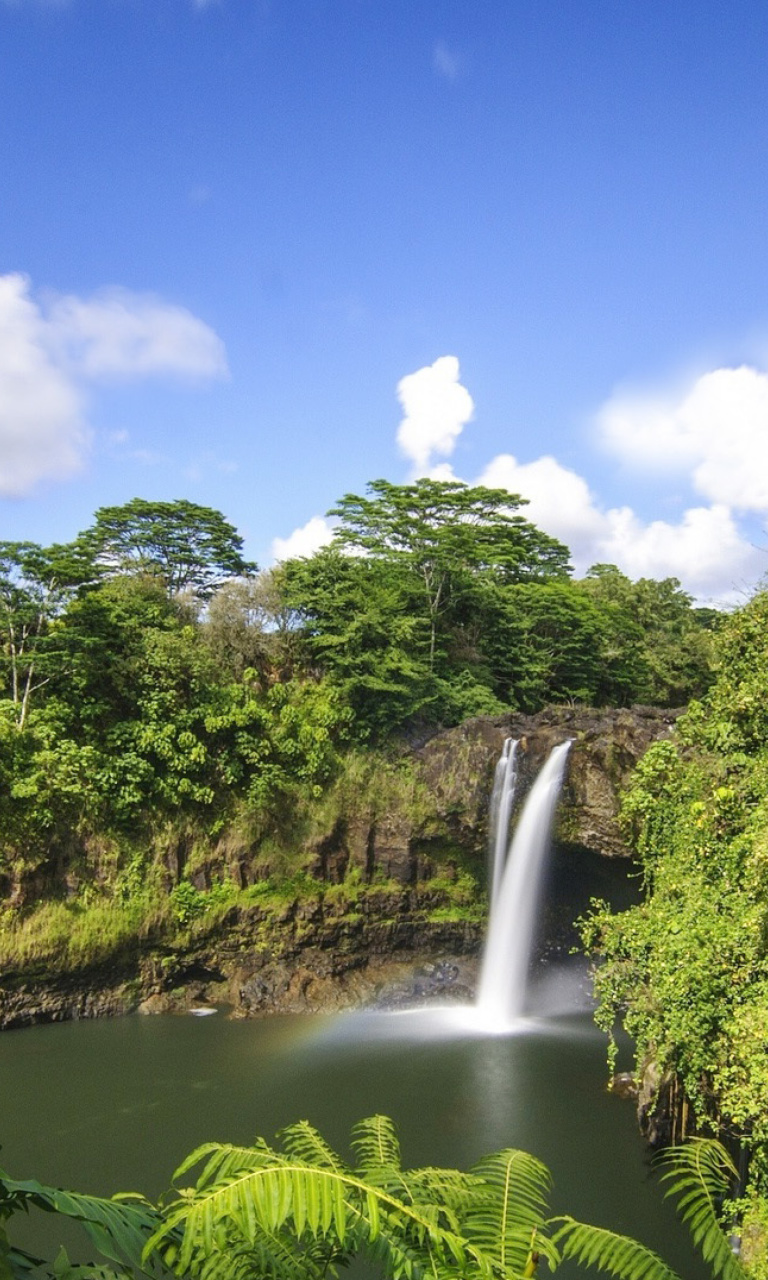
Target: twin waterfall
x=515 y=880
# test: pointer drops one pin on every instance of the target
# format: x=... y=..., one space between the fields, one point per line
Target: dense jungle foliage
x=687 y=970
x=157 y=687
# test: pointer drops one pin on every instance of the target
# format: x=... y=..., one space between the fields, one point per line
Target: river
x=115 y=1104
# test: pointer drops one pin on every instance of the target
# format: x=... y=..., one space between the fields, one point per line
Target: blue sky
x=258 y=252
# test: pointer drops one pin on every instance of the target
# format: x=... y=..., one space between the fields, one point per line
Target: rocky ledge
x=456 y=768
x=311 y=957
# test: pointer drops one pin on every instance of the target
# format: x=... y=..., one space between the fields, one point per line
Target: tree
x=302 y=1211
x=685 y=970
x=654 y=647
x=545 y=645
x=361 y=626
x=188 y=547
x=36 y=583
x=441 y=528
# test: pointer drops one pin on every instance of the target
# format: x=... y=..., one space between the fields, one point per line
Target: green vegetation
x=162 y=698
x=301 y=1210
x=687 y=970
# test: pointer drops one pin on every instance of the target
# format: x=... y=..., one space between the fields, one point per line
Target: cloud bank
x=49 y=353
x=710 y=435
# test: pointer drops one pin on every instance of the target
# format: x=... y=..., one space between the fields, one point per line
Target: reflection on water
x=116 y=1104
x=112 y=1105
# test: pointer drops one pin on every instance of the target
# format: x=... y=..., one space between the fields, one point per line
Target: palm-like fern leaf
x=506 y=1216
x=305 y=1143
x=119 y=1228
x=699 y=1173
x=609 y=1251
x=375 y=1144
x=262 y=1199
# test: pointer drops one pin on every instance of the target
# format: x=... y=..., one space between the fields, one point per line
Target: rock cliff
x=399 y=931
x=455 y=773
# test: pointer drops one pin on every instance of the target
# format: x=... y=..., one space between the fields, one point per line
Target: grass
x=67 y=936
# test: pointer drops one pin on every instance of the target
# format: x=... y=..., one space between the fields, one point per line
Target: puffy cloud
x=716 y=431
x=48 y=354
x=121 y=334
x=705 y=549
x=305 y=541
x=43 y=434
x=559 y=501
x=437 y=408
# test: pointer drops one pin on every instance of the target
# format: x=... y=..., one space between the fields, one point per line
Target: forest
x=154 y=680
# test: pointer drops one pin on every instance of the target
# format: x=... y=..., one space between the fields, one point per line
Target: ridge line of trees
x=149 y=671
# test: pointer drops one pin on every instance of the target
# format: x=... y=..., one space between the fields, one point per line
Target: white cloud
x=48 y=354
x=444 y=62
x=43 y=433
x=437 y=408
x=559 y=501
x=305 y=541
x=122 y=334
x=716 y=431
x=705 y=549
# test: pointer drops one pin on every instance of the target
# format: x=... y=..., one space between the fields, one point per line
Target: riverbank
x=318 y=952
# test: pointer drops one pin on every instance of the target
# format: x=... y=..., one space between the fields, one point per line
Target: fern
x=119 y=1228
x=605 y=1250
x=509 y=1208
x=304 y=1143
x=699 y=1174
x=260 y=1200
x=375 y=1144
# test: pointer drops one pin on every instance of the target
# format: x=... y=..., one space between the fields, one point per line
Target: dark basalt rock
x=456 y=770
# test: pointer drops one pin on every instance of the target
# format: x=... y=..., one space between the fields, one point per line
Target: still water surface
x=115 y=1104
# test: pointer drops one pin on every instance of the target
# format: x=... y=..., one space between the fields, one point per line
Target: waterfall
x=502 y=797
x=503 y=978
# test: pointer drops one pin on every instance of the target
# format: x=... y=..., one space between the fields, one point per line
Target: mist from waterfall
x=502 y=799
x=501 y=995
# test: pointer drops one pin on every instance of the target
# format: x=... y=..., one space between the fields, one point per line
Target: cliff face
x=317 y=953
x=454 y=771
x=393 y=925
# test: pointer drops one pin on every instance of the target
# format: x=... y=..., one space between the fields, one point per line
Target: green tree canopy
x=442 y=528
x=188 y=547
x=36 y=584
x=687 y=969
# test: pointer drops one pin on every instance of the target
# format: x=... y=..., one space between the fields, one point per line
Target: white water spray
x=502 y=798
x=503 y=978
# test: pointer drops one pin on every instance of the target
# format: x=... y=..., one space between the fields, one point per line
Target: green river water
x=115 y=1104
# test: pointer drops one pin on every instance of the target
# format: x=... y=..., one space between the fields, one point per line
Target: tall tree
x=188 y=547
x=442 y=528
x=36 y=583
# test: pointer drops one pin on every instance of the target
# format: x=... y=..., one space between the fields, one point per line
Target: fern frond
x=303 y=1142
x=375 y=1144
x=609 y=1251
x=223 y=1159
x=511 y=1205
x=310 y=1202
x=699 y=1173
x=119 y=1228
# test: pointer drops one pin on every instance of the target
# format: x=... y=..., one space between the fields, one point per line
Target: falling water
x=502 y=797
x=503 y=979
